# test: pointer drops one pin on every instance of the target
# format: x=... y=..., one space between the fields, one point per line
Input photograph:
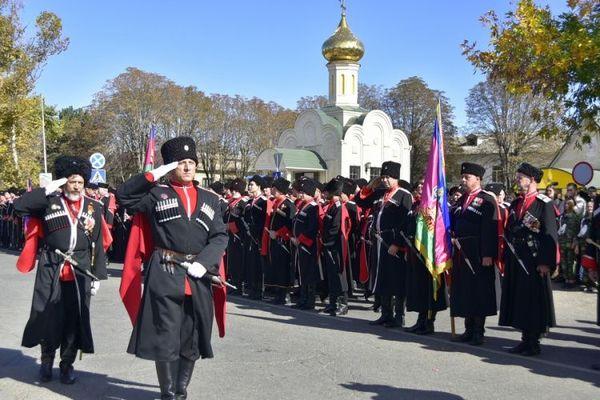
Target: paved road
x=274 y=352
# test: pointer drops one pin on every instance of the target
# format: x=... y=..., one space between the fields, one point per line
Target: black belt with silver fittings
x=169 y=259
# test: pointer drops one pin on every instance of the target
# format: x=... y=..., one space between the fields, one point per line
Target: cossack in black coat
x=389 y=219
x=84 y=239
x=203 y=237
x=473 y=293
x=527 y=301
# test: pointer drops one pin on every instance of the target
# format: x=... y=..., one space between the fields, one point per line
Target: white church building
x=341 y=138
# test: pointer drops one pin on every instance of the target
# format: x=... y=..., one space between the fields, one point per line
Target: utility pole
x=44 y=137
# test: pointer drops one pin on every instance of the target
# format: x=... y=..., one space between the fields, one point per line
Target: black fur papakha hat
x=335 y=186
x=391 y=169
x=281 y=184
x=65 y=166
x=472 y=169
x=179 y=148
x=533 y=172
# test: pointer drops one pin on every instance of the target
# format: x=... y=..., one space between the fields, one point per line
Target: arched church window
x=343 y=84
x=353 y=84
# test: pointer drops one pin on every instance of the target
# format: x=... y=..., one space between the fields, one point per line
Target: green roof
x=301 y=159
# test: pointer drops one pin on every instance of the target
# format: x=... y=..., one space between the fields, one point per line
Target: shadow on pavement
x=555 y=361
x=22 y=368
x=385 y=392
x=588 y=340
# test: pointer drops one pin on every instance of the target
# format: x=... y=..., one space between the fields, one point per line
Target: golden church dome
x=343 y=45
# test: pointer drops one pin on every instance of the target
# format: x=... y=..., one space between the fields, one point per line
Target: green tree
x=411 y=105
x=22 y=58
x=557 y=57
x=311 y=102
x=127 y=107
x=514 y=122
x=371 y=97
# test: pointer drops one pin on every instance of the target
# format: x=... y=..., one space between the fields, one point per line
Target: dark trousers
x=337 y=284
x=255 y=272
x=189 y=332
x=70 y=328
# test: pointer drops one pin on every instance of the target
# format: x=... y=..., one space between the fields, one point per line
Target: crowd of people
x=307 y=244
x=11 y=224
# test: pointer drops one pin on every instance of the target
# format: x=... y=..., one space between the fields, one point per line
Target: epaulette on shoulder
x=544 y=198
x=264 y=197
x=162 y=185
x=313 y=203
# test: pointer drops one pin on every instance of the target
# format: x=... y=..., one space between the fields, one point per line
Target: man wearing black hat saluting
x=474 y=224
x=186 y=241
x=72 y=260
x=390 y=206
x=530 y=257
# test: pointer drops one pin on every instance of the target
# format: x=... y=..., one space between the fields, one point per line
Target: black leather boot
x=418 y=325
x=186 y=367
x=387 y=312
x=467 y=336
x=478 y=330
x=428 y=327
x=310 y=298
x=534 y=345
x=342 y=307
x=398 y=320
x=522 y=346
x=301 y=298
x=331 y=307
x=376 y=303
x=67 y=374
x=46 y=371
x=47 y=359
x=166 y=372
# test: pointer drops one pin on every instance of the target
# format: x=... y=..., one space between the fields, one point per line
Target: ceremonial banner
x=149 y=161
x=432 y=237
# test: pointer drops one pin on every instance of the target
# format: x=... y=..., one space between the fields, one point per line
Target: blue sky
x=265 y=48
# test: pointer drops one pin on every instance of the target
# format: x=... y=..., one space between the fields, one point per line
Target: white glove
x=562 y=230
x=54 y=185
x=582 y=231
x=161 y=171
x=95 y=287
x=195 y=269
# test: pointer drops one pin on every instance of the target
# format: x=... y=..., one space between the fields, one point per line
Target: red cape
x=139 y=249
x=34 y=231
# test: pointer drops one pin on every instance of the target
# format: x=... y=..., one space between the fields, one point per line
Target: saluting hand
x=55 y=186
x=375 y=183
x=161 y=171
